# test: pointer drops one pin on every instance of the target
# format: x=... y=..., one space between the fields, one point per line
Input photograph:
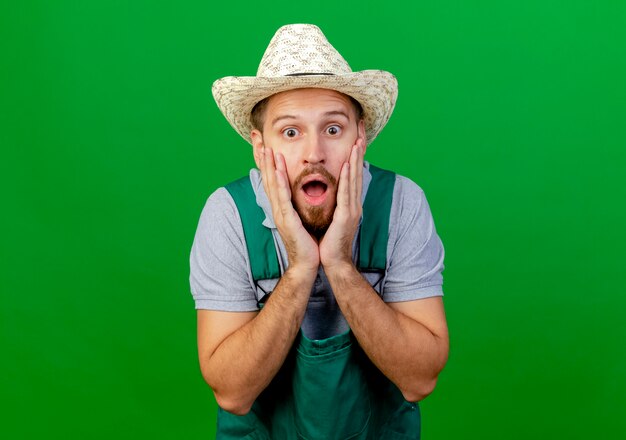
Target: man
x=317 y=278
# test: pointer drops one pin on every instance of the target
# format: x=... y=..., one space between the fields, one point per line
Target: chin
x=316 y=219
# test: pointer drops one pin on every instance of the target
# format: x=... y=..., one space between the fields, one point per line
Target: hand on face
x=302 y=250
x=336 y=246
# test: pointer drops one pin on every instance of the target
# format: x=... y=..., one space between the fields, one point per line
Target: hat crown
x=301 y=49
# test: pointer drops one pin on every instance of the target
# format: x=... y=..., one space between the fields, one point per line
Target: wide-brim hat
x=300 y=56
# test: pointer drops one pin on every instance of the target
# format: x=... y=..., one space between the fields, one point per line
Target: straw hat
x=300 y=56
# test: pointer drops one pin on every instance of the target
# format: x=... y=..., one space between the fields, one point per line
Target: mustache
x=315 y=169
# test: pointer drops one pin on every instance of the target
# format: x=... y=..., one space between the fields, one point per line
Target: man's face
x=314 y=129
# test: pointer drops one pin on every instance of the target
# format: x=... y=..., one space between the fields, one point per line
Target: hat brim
x=375 y=90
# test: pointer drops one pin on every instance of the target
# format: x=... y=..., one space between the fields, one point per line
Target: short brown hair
x=257 y=115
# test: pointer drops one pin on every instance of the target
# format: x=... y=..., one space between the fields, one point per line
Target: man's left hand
x=336 y=245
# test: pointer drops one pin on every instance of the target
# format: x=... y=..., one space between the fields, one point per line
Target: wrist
x=301 y=273
x=340 y=268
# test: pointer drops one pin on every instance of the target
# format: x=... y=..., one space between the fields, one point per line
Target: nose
x=314 y=150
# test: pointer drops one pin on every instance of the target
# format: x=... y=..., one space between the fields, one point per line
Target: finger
x=343 y=190
x=263 y=166
x=270 y=175
x=283 y=190
x=359 y=182
x=271 y=184
x=283 y=195
x=270 y=166
x=354 y=171
x=281 y=165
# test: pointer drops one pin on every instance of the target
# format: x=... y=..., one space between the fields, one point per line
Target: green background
x=511 y=116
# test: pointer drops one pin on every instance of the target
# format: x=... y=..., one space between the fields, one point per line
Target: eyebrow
x=280 y=118
x=326 y=114
x=337 y=113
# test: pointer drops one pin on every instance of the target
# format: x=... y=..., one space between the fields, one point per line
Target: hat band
x=309 y=74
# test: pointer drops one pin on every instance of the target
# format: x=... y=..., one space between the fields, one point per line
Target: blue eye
x=291 y=132
x=333 y=130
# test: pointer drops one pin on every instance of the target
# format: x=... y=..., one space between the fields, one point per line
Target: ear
x=257 y=146
x=362 y=135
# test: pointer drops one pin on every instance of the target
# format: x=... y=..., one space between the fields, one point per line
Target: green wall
x=511 y=116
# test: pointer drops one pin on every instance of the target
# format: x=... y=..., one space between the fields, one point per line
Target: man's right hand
x=265 y=336
x=302 y=249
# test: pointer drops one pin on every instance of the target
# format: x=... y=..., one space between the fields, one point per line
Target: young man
x=317 y=279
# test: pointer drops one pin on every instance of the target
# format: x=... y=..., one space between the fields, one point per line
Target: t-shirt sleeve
x=415 y=251
x=219 y=269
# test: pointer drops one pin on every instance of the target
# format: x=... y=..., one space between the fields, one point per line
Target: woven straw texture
x=300 y=56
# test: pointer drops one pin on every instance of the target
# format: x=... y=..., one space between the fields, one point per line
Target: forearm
x=404 y=350
x=244 y=363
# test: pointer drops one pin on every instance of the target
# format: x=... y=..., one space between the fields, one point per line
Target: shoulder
x=410 y=212
x=414 y=251
x=219 y=265
x=220 y=220
x=219 y=207
x=407 y=183
x=408 y=198
x=219 y=202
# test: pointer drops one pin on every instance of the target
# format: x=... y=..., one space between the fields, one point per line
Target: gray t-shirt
x=221 y=279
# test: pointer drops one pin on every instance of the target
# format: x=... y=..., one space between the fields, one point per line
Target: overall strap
x=259 y=240
x=375 y=223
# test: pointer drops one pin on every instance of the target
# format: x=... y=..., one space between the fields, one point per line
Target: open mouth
x=315 y=191
x=314 y=188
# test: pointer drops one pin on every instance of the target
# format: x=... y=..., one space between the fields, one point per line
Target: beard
x=314 y=218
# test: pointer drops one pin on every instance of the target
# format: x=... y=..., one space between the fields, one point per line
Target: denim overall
x=327 y=389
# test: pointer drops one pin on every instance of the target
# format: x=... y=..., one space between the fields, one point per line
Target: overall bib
x=327 y=389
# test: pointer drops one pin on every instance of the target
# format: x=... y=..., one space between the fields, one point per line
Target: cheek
x=339 y=160
x=290 y=160
x=343 y=150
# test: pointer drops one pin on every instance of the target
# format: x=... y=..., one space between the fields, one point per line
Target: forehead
x=308 y=100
